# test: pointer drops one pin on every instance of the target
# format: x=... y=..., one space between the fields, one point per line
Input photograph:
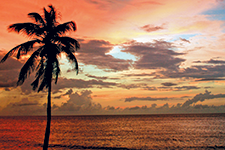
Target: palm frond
x=65 y=27
x=25 y=28
x=39 y=74
x=22 y=49
x=43 y=84
x=10 y=53
x=26 y=47
x=69 y=46
x=56 y=70
x=52 y=13
x=71 y=57
x=46 y=17
x=35 y=83
x=50 y=17
x=47 y=75
x=37 y=17
x=28 y=67
x=69 y=42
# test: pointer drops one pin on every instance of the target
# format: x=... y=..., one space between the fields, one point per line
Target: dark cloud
x=9 y=72
x=177 y=88
x=23 y=107
x=168 y=84
x=70 y=91
x=101 y=78
x=139 y=75
x=154 y=55
x=170 y=87
x=111 y=108
x=209 y=79
x=181 y=88
x=81 y=103
x=211 y=61
x=202 y=97
x=184 y=40
x=151 y=28
x=202 y=71
x=208 y=87
x=159 y=55
x=95 y=77
x=199 y=97
x=160 y=88
x=79 y=99
x=198 y=61
x=131 y=86
x=185 y=96
x=94 y=52
x=146 y=99
x=187 y=107
x=79 y=83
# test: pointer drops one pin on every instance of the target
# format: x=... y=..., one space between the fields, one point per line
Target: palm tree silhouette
x=48 y=42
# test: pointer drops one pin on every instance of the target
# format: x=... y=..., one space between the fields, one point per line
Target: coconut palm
x=47 y=42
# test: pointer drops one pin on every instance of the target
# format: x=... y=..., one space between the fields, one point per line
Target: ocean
x=123 y=132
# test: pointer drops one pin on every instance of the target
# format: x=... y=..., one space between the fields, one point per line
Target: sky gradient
x=136 y=56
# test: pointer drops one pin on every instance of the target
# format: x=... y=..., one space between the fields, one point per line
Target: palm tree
x=48 y=42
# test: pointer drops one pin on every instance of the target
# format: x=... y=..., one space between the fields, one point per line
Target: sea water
x=183 y=131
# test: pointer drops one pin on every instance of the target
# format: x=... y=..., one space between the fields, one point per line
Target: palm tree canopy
x=48 y=41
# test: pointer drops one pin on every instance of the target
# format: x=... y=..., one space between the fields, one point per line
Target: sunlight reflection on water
x=202 y=131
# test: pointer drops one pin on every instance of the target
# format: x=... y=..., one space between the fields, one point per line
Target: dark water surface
x=192 y=131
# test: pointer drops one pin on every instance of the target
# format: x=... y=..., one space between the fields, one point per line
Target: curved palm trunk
x=47 y=131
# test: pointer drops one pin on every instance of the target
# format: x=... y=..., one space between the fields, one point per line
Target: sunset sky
x=136 y=56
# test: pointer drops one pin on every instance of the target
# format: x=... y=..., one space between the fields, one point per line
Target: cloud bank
x=81 y=103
